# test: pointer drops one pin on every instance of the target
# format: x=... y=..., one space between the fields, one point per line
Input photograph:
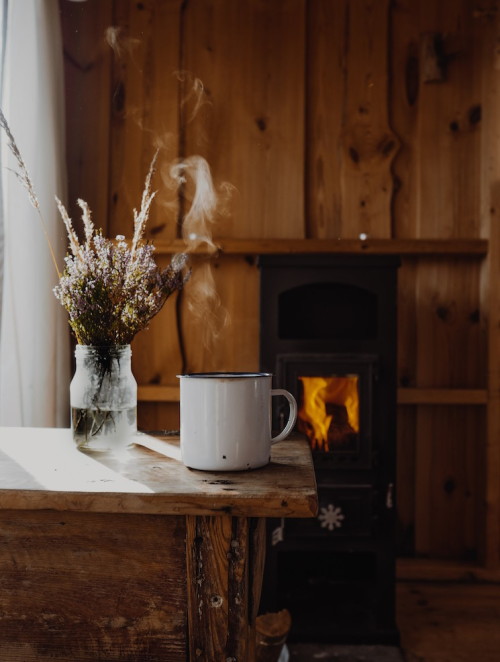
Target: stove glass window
x=329 y=412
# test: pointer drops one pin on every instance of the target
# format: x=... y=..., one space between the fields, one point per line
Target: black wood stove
x=328 y=333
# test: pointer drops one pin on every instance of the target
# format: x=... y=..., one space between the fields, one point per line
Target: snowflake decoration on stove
x=331 y=517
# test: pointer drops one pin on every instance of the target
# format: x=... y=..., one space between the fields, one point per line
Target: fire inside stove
x=329 y=411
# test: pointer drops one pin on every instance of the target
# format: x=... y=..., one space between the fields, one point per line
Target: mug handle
x=292 y=417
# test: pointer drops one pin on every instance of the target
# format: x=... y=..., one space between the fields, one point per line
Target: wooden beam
x=442 y=396
x=431 y=247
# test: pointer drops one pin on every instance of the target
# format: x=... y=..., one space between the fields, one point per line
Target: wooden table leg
x=225 y=564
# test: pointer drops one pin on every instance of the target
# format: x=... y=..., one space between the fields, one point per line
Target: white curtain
x=34 y=343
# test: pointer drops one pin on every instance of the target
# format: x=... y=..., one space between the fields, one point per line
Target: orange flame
x=329 y=410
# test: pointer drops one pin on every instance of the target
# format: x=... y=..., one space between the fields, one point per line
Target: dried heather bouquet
x=111 y=289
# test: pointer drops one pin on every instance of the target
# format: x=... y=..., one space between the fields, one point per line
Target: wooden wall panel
x=145 y=102
x=250 y=57
x=156 y=357
x=446 y=488
x=406 y=424
x=368 y=143
x=407 y=324
x=350 y=142
x=437 y=115
x=87 y=71
x=450 y=352
x=158 y=416
x=326 y=46
x=440 y=346
x=488 y=32
x=235 y=345
x=404 y=109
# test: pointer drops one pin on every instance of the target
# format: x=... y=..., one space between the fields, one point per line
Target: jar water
x=103 y=395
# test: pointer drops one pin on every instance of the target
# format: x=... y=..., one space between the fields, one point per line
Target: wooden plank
x=489 y=35
x=153 y=393
x=447 y=497
x=156 y=355
x=92 y=586
x=219 y=593
x=438 y=191
x=41 y=469
x=407 y=323
x=251 y=131
x=368 y=142
x=449 y=136
x=144 y=115
x=443 y=570
x=404 y=109
x=406 y=416
x=325 y=94
x=158 y=417
x=257 y=556
x=449 y=354
x=87 y=61
x=211 y=344
x=434 y=247
x=446 y=621
x=442 y=396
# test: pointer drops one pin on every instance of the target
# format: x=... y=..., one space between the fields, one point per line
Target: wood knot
x=443 y=313
x=449 y=485
x=475 y=114
x=156 y=229
x=261 y=123
x=386 y=146
x=216 y=601
x=354 y=154
x=474 y=317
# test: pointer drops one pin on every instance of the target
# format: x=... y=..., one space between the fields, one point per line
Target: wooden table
x=137 y=558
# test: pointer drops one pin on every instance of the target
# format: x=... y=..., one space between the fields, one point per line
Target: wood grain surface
x=219 y=592
x=92 y=586
x=40 y=469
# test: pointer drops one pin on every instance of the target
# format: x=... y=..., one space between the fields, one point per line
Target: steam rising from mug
x=202 y=298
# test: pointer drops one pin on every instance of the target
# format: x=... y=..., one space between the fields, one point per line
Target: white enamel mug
x=226 y=420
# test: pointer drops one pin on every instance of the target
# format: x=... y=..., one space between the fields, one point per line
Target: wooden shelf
x=442 y=396
x=432 y=247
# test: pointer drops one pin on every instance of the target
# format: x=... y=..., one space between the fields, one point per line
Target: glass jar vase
x=103 y=397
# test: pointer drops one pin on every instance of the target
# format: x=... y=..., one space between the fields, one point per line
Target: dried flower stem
x=140 y=219
x=23 y=176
